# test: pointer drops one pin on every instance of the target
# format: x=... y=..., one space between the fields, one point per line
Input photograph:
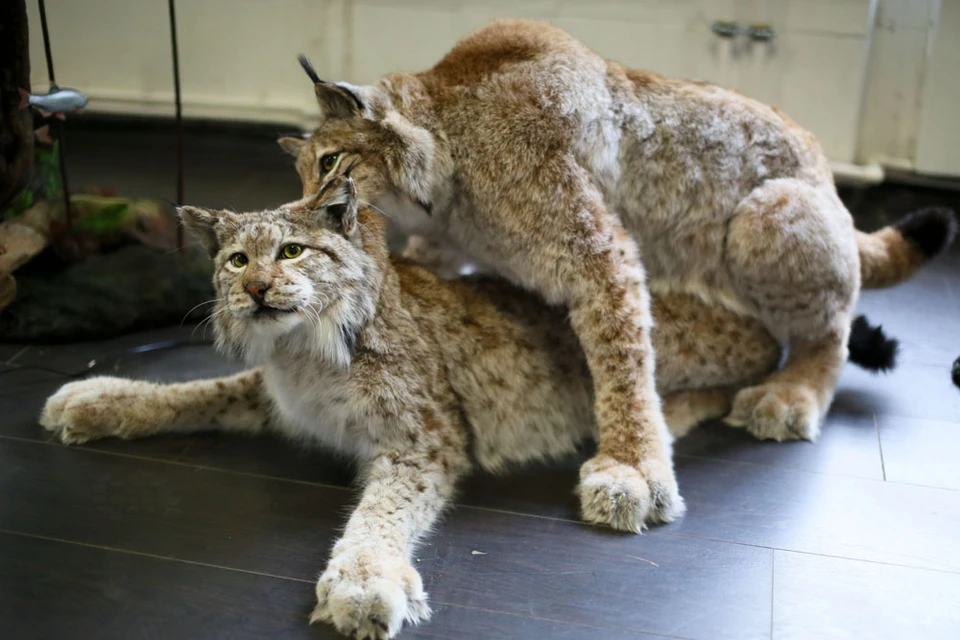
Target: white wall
x=118 y=52
x=896 y=76
x=858 y=85
x=938 y=140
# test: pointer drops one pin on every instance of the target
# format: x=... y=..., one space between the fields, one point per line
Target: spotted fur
x=592 y=185
x=433 y=374
x=416 y=377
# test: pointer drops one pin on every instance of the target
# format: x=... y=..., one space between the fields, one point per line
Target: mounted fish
x=56 y=101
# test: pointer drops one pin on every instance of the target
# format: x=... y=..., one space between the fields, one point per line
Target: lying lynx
x=589 y=182
x=412 y=375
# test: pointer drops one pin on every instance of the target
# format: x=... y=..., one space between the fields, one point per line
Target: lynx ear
x=291 y=145
x=337 y=205
x=201 y=224
x=335 y=100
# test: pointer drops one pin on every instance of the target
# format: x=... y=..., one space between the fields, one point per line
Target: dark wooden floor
x=214 y=536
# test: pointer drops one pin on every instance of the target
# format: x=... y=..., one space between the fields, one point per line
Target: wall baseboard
x=161 y=105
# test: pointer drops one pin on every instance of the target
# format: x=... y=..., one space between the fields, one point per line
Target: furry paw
x=368 y=592
x=98 y=408
x=627 y=498
x=776 y=411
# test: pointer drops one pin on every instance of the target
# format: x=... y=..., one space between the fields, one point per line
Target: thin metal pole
x=58 y=125
x=179 y=116
x=46 y=41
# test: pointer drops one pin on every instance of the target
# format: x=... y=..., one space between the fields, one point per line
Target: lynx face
x=290 y=276
x=335 y=143
x=399 y=156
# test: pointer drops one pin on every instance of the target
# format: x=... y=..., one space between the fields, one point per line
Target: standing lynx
x=411 y=375
x=590 y=184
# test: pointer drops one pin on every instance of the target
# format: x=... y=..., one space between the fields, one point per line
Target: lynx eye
x=239 y=260
x=329 y=161
x=291 y=251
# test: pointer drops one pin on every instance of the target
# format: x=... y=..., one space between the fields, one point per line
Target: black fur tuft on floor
x=929 y=230
x=870 y=348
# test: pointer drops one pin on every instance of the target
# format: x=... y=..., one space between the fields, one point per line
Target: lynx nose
x=256 y=290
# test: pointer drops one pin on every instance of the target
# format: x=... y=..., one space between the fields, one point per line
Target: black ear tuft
x=929 y=230
x=870 y=347
x=335 y=100
x=308 y=67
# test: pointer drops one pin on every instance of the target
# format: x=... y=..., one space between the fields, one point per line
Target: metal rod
x=179 y=113
x=46 y=41
x=58 y=126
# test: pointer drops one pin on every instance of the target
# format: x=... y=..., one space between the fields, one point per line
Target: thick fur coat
x=593 y=184
x=416 y=377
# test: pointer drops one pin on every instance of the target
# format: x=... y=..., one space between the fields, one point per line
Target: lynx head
x=398 y=156
x=297 y=278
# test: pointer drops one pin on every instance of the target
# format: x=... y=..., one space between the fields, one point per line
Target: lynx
x=593 y=184
x=416 y=377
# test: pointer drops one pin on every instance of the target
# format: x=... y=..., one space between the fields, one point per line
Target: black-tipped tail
x=929 y=230
x=870 y=347
x=956 y=372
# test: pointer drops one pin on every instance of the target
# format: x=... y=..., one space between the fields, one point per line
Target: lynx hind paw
x=774 y=411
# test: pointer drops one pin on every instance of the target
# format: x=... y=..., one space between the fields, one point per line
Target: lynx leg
x=685 y=410
x=103 y=407
x=581 y=256
x=630 y=481
x=793 y=258
x=790 y=404
x=370 y=587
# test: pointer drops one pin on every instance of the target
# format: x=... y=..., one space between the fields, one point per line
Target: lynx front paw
x=627 y=498
x=368 y=592
x=98 y=408
x=776 y=411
